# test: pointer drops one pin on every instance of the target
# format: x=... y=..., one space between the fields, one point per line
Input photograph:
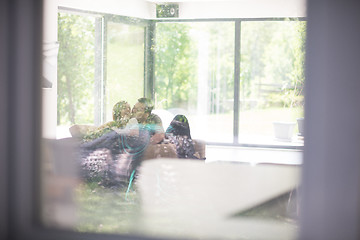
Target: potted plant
x=284 y=130
x=300 y=122
x=292 y=98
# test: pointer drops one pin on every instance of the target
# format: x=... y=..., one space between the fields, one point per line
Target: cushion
x=168 y=150
x=79 y=131
x=162 y=150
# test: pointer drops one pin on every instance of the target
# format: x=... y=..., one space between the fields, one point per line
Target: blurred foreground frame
x=60 y=174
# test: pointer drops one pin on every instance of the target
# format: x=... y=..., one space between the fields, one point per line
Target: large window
x=76 y=79
x=194 y=75
x=235 y=80
x=271 y=78
x=101 y=61
x=232 y=99
x=124 y=64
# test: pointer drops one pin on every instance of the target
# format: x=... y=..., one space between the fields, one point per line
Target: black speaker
x=167 y=10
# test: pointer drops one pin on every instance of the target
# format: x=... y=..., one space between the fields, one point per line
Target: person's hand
x=130 y=132
x=157 y=138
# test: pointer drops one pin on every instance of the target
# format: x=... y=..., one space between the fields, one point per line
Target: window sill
x=253 y=156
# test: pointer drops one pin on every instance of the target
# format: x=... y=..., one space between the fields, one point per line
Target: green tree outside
x=175 y=68
x=76 y=35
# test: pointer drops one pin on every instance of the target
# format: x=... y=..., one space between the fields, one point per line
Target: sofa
x=161 y=150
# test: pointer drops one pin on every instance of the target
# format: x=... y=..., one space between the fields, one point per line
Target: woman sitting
x=178 y=133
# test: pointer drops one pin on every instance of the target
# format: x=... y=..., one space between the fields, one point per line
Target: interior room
x=184 y=119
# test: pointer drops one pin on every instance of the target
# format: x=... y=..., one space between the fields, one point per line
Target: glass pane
x=75 y=71
x=194 y=76
x=271 y=81
x=125 y=64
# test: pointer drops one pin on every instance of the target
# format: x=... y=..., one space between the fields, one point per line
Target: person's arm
x=131 y=128
x=159 y=134
x=157 y=138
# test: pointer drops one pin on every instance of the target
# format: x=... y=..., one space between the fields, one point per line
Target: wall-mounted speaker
x=167 y=10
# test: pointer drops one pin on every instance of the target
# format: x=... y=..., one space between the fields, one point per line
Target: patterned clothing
x=184 y=145
x=111 y=158
x=104 y=129
x=178 y=133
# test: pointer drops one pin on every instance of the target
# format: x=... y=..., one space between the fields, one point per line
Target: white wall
x=242 y=9
x=190 y=9
x=50 y=94
x=195 y=9
x=131 y=8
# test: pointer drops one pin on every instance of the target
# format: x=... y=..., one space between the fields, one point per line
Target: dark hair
x=179 y=126
x=149 y=106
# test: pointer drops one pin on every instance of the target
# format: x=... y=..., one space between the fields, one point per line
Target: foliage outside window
x=194 y=75
x=125 y=64
x=76 y=35
x=272 y=75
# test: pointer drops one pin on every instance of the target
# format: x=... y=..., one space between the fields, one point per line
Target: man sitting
x=152 y=122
